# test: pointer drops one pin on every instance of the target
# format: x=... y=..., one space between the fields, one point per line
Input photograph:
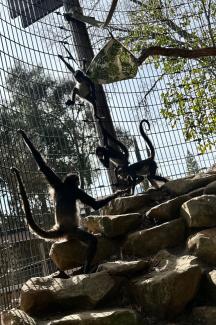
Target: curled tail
x=51 y=234
x=146 y=138
x=114 y=140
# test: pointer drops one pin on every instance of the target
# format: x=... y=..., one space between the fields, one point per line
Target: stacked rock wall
x=155 y=264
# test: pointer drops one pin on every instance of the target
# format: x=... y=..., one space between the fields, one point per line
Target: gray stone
x=203 y=245
x=70 y=254
x=16 y=317
x=169 y=288
x=81 y=292
x=103 y=317
x=126 y=268
x=112 y=225
x=149 y=241
x=200 y=211
x=128 y=204
x=184 y=185
x=168 y=210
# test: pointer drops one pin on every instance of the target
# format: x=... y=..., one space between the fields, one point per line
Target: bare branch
x=176 y=52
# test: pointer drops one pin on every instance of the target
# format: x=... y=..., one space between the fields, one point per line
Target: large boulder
x=169 y=287
x=112 y=225
x=168 y=210
x=16 y=317
x=81 y=292
x=103 y=317
x=149 y=241
x=200 y=211
x=128 y=204
x=125 y=268
x=203 y=245
x=184 y=185
x=69 y=254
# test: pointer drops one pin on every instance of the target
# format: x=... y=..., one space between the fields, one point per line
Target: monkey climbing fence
x=176 y=95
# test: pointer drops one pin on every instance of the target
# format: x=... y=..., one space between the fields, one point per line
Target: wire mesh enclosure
x=176 y=95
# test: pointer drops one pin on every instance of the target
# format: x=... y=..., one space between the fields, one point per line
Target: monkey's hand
x=121 y=192
x=15 y=171
x=20 y=131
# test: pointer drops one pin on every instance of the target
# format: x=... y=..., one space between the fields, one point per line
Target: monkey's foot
x=61 y=274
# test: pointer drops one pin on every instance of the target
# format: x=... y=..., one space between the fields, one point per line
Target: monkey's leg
x=160 y=178
x=91 y=241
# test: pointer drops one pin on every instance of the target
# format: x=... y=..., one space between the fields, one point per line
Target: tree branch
x=176 y=52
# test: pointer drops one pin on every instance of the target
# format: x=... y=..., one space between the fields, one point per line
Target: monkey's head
x=122 y=173
x=79 y=76
x=72 y=180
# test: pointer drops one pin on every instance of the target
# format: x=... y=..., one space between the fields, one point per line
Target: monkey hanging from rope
x=67 y=218
x=84 y=87
x=147 y=167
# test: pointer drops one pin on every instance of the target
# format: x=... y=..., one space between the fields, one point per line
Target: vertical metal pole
x=84 y=50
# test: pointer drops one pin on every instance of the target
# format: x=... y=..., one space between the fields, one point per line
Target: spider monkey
x=107 y=153
x=145 y=167
x=66 y=194
x=84 y=86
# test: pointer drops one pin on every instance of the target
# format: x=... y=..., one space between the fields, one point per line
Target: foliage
x=190 y=93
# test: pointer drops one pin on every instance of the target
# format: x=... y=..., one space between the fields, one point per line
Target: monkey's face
x=122 y=173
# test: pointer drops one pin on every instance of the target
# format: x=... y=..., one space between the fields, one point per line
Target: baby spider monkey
x=147 y=167
x=67 y=218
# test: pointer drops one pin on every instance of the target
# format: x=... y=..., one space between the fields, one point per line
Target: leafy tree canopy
x=190 y=93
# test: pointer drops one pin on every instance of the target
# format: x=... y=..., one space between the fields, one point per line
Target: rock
x=167 y=210
x=149 y=241
x=128 y=204
x=16 y=317
x=185 y=185
x=208 y=288
x=126 y=268
x=69 y=254
x=210 y=188
x=205 y=315
x=81 y=292
x=203 y=245
x=112 y=225
x=102 y=317
x=169 y=288
x=170 y=209
x=200 y=211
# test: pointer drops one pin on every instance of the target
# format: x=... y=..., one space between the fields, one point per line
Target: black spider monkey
x=67 y=218
x=147 y=167
x=106 y=153
x=84 y=86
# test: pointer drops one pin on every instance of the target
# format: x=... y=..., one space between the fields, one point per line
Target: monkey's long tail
x=51 y=234
x=146 y=138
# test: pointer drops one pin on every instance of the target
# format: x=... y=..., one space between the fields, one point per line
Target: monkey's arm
x=67 y=64
x=96 y=204
x=51 y=177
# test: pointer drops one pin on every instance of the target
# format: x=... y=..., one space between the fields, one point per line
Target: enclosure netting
x=35 y=85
